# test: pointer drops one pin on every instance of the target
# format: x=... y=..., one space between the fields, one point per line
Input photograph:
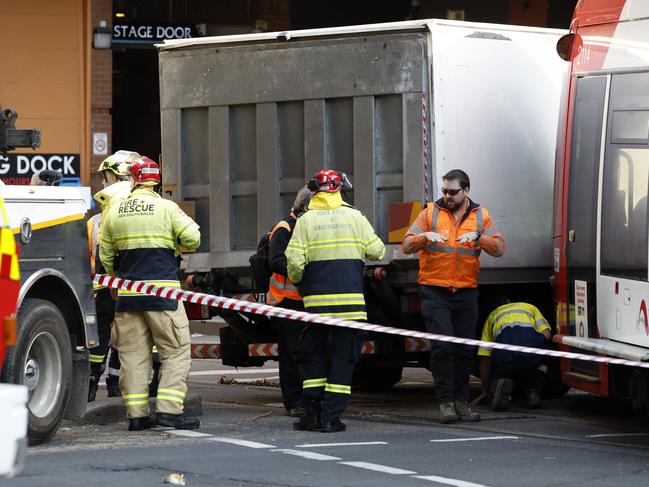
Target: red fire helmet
x=146 y=172
x=330 y=181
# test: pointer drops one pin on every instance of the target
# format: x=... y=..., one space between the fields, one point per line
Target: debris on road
x=174 y=479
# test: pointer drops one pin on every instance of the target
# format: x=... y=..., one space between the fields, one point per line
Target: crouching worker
x=147 y=231
x=500 y=370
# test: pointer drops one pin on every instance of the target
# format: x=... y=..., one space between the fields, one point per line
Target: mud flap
x=78 y=400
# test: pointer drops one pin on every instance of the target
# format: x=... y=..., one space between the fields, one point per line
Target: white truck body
x=246 y=120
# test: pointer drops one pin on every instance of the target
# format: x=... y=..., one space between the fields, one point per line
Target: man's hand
x=435 y=237
x=483 y=395
x=468 y=237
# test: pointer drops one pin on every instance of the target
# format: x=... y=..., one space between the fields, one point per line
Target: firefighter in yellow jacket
x=116 y=175
x=326 y=255
x=147 y=231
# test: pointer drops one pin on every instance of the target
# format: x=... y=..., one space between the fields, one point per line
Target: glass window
x=630 y=127
x=624 y=231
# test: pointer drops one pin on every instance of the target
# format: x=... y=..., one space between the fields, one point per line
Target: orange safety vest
x=451 y=264
x=281 y=287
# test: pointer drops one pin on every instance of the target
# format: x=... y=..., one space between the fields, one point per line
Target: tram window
x=624 y=213
x=630 y=127
x=624 y=228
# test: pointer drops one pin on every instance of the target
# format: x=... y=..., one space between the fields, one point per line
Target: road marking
x=613 y=435
x=447 y=481
x=188 y=433
x=479 y=438
x=249 y=444
x=306 y=454
x=360 y=443
x=233 y=372
x=379 y=468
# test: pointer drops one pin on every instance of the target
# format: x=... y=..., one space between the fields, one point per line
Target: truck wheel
x=376 y=378
x=42 y=360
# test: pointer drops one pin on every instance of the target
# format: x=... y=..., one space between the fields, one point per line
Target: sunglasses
x=452 y=192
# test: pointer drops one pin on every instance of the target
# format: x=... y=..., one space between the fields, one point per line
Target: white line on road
x=188 y=433
x=479 y=438
x=234 y=372
x=447 y=481
x=306 y=454
x=360 y=443
x=613 y=435
x=249 y=444
x=379 y=468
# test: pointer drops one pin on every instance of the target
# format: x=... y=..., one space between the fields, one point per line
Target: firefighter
x=515 y=324
x=147 y=232
x=326 y=255
x=449 y=235
x=283 y=293
x=115 y=172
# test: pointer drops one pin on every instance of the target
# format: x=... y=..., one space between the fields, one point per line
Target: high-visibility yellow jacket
x=327 y=253
x=147 y=232
x=109 y=195
x=514 y=324
x=452 y=264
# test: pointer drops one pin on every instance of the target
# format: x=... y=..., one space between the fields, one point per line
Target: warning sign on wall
x=99 y=143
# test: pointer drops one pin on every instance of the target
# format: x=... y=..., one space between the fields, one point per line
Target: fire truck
x=600 y=230
x=46 y=306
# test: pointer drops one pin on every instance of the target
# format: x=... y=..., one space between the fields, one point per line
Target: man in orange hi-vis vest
x=283 y=293
x=449 y=235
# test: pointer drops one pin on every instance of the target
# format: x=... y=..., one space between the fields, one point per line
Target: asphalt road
x=393 y=438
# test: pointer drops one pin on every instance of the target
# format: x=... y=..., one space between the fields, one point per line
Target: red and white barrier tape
x=273 y=312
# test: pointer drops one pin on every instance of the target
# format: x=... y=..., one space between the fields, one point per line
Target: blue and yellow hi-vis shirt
x=516 y=324
x=327 y=253
x=147 y=232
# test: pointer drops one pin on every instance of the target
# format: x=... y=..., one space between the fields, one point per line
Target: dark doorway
x=136 y=101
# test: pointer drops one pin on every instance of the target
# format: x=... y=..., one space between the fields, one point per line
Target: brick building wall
x=275 y=13
x=101 y=89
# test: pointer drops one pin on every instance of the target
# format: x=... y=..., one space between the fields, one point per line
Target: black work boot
x=92 y=389
x=311 y=420
x=333 y=425
x=533 y=399
x=178 y=421
x=464 y=411
x=138 y=424
x=295 y=411
x=502 y=394
x=112 y=386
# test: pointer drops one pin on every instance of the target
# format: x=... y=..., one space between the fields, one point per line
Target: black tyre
x=42 y=360
x=376 y=378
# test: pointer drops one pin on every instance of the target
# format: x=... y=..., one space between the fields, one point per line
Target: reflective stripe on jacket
x=452 y=264
x=327 y=253
x=280 y=286
x=147 y=231
x=515 y=324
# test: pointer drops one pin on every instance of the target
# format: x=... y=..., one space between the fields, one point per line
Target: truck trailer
x=248 y=119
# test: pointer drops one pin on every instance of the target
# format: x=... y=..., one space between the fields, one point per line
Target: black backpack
x=260 y=261
x=260 y=265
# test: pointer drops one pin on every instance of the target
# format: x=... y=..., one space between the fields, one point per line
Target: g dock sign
x=19 y=168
